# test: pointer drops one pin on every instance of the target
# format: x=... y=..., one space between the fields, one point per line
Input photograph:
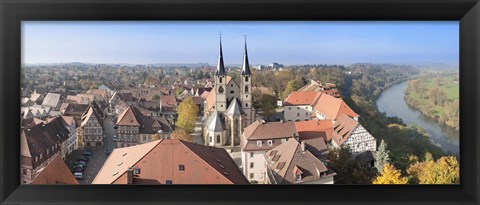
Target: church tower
x=246 y=89
x=220 y=84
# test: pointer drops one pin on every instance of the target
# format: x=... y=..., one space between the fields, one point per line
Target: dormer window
x=269 y=142
x=284 y=140
x=259 y=143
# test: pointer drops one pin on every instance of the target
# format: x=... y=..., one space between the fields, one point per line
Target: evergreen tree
x=382 y=156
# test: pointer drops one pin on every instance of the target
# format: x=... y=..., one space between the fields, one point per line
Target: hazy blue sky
x=197 y=42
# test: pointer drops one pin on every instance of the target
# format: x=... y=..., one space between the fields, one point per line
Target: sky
x=285 y=42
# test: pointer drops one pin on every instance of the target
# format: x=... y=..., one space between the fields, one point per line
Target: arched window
x=218 y=138
x=220 y=79
x=220 y=89
x=246 y=88
x=246 y=78
x=246 y=105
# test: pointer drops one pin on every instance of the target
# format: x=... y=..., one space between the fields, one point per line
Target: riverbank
x=393 y=104
x=436 y=98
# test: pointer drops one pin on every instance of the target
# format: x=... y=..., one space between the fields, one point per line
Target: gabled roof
x=56 y=172
x=333 y=107
x=291 y=159
x=51 y=100
x=343 y=128
x=302 y=98
x=159 y=161
x=314 y=128
x=214 y=122
x=129 y=117
x=89 y=113
x=234 y=109
x=269 y=130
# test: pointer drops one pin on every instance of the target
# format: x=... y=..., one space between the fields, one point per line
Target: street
x=99 y=156
x=197 y=133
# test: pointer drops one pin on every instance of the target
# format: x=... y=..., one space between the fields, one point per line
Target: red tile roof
x=160 y=161
x=314 y=128
x=333 y=107
x=302 y=98
x=56 y=172
x=343 y=128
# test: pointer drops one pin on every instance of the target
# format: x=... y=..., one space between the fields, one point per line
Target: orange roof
x=160 y=161
x=333 y=107
x=128 y=118
x=343 y=128
x=56 y=172
x=302 y=98
x=314 y=128
x=210 y=101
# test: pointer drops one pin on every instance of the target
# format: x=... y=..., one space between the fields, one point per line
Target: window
x=269 y=142
x=136 y=170
x=259 y=143
x=231 y=91
x=298 y=114
x=298 y=108
x=246 y=105
x=231 y=85
x=246 y=78
x=284 y=140
x=246 y=88
x=220 y=79
x=218 y=138
x=211 y=140
x=48 y=151
x=298 y=177
x=246 y=96
x=251 y=175
x=251 y=165
x=181 y=167
x=168 y=182
x=36 y=159
x=40 y=156
x=289 y=108
x=306 y=114
x=251 y=154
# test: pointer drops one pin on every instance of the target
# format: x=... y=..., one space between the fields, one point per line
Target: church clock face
x=220 y=89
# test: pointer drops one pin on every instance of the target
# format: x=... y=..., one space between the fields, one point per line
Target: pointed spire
x=220 y=66
x=246 y=65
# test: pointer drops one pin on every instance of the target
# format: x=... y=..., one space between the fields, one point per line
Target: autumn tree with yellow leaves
x=445 y=170
x=187 y=114
x=181 y=134
x=390 y=175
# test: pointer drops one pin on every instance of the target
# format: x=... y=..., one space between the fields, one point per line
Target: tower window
x=220 y=79
x=246 y=88
x=246 y=105
x=231 y=91
x=218 y=138
x=246 y=78
x=220 y=89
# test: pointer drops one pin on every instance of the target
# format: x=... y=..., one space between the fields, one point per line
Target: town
x=182 y=124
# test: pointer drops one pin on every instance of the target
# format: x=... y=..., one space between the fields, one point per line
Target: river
x=392 y=102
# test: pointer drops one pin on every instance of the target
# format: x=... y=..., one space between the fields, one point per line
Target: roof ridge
x=223 y=175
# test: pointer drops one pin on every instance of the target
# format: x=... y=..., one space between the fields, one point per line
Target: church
x=228 y=106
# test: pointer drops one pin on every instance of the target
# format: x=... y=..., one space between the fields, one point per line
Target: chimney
x=130 y=175
x=302 y=145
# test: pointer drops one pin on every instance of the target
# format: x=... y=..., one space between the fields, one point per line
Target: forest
x=436 y=96
x=360 y=85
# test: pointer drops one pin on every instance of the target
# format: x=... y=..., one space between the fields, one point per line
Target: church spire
x=220 y=65
x=246 y=65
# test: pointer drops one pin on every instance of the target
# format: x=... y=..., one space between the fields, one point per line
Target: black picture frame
x=14 y=11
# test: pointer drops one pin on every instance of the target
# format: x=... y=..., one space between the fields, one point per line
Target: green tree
x=291 y=86
x=382 y=156
x=267 y=103
x=187 y=114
